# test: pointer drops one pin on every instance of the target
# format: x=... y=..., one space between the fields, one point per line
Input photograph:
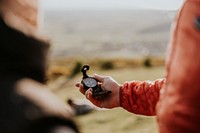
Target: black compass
x=90 y=82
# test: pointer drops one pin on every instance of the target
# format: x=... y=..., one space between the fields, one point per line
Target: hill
x=109 y=33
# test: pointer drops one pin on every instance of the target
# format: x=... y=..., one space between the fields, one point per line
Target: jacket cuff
x=124 y=96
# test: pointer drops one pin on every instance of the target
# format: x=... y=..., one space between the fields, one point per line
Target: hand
x=107 y=83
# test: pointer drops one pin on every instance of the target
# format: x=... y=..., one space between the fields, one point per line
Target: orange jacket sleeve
x=141 y=97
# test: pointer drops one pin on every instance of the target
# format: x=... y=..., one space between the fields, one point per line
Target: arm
x=178 y=110
x=141 y=97
x=136 y=97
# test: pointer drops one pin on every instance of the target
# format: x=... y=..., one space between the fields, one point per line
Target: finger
x=81 y=87
x=88 y=94
x=100 y=85
x=99 y=77
x=77 y=84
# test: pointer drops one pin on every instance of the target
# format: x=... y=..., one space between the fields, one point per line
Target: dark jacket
x=21 y=57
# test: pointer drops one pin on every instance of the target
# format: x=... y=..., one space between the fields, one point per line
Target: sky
x=110 y=4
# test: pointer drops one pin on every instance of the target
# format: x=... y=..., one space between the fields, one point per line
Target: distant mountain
x=108 y=33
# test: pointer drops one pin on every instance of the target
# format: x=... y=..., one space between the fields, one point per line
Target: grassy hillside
x=123 y=41
x=116 y=121
x=110 y=121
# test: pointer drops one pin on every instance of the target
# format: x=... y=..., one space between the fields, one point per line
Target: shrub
x=147 y=62
x=106 y=65
x=76 y=69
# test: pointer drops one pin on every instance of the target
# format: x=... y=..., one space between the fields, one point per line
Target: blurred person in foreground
x=175 y=98
x=26 y=104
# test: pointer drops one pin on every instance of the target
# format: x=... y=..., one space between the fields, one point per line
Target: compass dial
x=89 y=82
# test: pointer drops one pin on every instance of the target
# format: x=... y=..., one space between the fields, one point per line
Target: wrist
x=119 y=96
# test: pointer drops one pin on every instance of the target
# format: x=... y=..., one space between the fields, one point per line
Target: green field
x=116 y=120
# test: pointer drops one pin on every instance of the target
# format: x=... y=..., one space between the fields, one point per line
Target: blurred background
x=126 y=39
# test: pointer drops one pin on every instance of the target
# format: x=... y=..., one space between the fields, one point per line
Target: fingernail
x=87 y=95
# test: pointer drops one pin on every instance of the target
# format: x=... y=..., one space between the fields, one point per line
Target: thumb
x=99 y=77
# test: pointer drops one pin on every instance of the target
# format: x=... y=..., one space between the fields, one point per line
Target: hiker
x=175 y=98
x=26 y=104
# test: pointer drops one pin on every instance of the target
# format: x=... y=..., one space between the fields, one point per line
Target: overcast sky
x=111 y=4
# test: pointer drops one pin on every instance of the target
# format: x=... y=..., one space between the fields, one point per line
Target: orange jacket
x=141 y=97
x=176 y=101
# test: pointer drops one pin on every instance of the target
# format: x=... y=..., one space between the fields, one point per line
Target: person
x=175 y=98
x=26 y=104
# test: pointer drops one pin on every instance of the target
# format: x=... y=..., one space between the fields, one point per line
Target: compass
x=90 y=82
